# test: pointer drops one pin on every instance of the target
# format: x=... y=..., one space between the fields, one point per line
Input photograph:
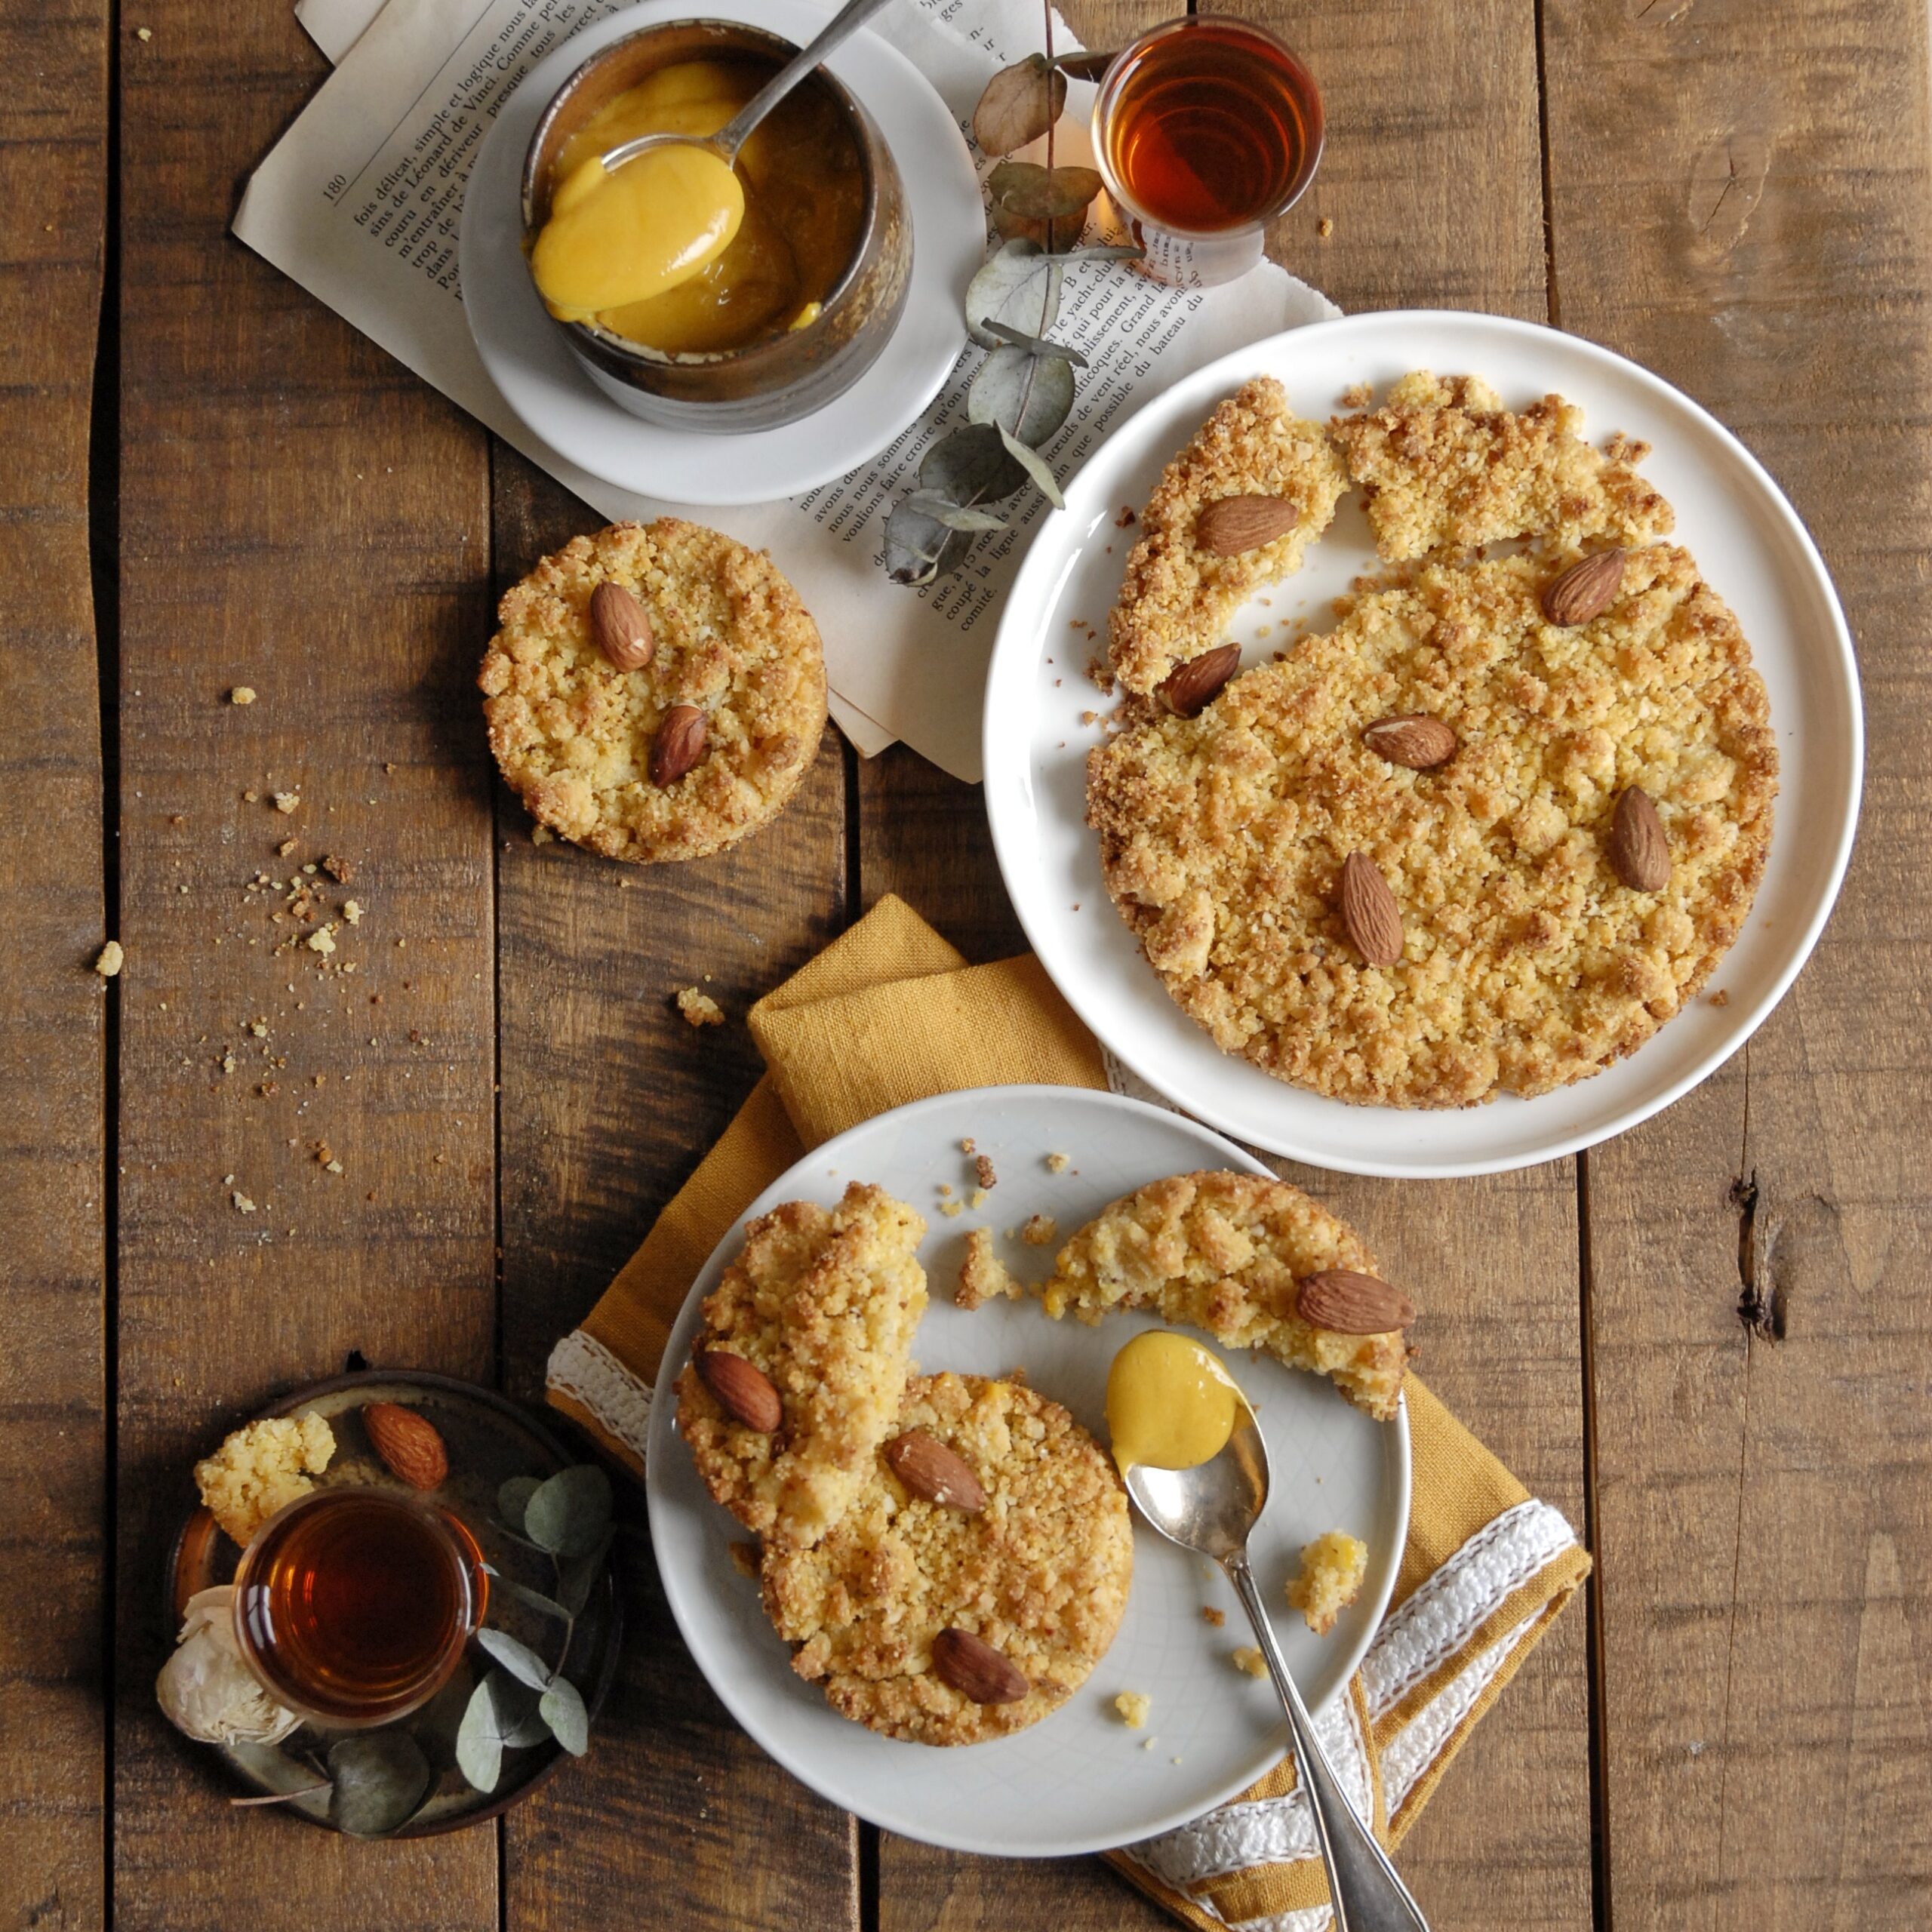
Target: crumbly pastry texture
x=1330 y=1579
x=1444 y=466
x=1041 y=1573
x=1177 y=598
x=262 y=1468
x=1526 y=963
x=825 y=1305
x=573 y=734
x=1224 y=1252
x=983 y=1274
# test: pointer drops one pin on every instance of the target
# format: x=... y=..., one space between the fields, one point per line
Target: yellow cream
x=611 y=251
x=1170 y=1404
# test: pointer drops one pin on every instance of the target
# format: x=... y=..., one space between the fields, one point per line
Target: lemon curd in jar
x=803 y=190
x=354 y=1605
x=1209 y=125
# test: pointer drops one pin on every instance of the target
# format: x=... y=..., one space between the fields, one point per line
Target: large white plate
x=1751 y=547
x=542 y=382
x=1080 y=1780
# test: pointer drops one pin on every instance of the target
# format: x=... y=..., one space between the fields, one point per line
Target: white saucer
x=1078 y=1780
x=1748 y=543
x=542 y=381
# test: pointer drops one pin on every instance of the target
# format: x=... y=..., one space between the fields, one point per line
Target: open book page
x=361 y=201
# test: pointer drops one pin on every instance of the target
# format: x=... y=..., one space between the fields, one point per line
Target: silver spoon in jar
x=726 y=142
x=1213 y=1507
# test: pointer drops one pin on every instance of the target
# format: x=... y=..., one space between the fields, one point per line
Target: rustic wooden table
x=1708 y=1341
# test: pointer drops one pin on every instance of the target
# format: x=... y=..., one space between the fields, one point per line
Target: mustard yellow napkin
x=890 y=1014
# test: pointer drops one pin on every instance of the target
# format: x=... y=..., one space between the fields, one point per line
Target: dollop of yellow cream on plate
x=1170 y=1404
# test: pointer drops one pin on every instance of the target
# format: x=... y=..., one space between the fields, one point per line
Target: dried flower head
x=207 y=1690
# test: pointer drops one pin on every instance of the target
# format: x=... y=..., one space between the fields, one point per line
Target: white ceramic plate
x=542 y=381
x=1080 y=1780
x=1751 y=547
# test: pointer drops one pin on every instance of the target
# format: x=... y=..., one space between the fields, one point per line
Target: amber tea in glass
x=353 y=1605
x=1205 y=129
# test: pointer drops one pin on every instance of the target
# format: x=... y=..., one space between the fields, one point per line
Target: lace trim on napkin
x=586 y=1371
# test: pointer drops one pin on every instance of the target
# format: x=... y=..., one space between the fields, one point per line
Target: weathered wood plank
x=300 y=517
x=609 y=1099
x=1738 y=199
x=54 y=126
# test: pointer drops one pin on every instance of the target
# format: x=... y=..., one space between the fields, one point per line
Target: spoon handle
x=838 y=29
x=1363 y=1891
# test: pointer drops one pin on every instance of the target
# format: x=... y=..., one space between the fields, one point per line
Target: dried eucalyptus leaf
x=1035 y=466
x=479 y=1738
x=577 y=1578
x=955 y=516
x=971 y=465
x=1018 y=284
x=519 y=1720
x=919 y=548
x=562 y=1710
x=513 y=1498
x=1030 y=395
x=1036 y=345
x=536 y=1599
x=1048 y=194
x=1086 y=65
x=568 y=1514
x=519 y=1659
x=379 y=1780
x=1020 y=104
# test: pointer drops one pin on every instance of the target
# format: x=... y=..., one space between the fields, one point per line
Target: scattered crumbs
x=977 y=1199
x=967 y=1146
x=1089 y=717
x=1212 y=1617
x=1149 y=1744
x=352 y=911
x=1056 y=1163
x=953 y=1210
x=1357 y=396
x=744 y=1560
x=1039 y=1231
x=1102 y=675
x=322 y=940
x=286 y=848
x=982 y=1166
x=333 y=1166
x=252 y=796
x=287 y=801
x=1174 y=1760
x=1127 y=519
x=1325 y=226
x=144 y=34
x=541 y=835
x=1249 y=1659
x=983 y=1274
x=1134 y=1706
x=1722 y=997
x=946 y=1187
x=240 y=694
x=1076 y=905
x=698 y=1008
x=109 y=959
x=228 y=1063
x=242 y=1203
x=259 y=1029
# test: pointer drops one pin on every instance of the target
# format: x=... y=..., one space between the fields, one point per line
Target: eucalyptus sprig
x=1023 y=393
x=526 y=1699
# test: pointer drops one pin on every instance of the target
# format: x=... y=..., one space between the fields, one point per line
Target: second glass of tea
x=353 y=1606
x=1205 y=129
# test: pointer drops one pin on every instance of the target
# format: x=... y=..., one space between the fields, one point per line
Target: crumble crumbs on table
x=1134 y=1706
x=1249 y=1659
x=109 y=961
x=983 y=1274
x=1325 y=226
x=983 y=1165
x=1333 y=1566
x=1056 y=1163
x=287 y=801
x=1722 y=997
x=541 y=835
x=240 y=694
x=698 y=1008
x=977 y=1199
x=1039 y=1231
x=1212 y=1617
x=967 y=1146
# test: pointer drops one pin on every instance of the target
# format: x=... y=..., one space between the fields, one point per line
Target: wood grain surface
x=1740 y=1731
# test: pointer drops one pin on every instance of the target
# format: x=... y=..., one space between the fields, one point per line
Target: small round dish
x=1078 y=1780
x=523 y=352
x=1748 y=543
x=490 y=1439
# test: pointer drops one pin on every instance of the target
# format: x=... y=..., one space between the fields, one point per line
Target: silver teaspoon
x=1212 y=1509
x=726 y=142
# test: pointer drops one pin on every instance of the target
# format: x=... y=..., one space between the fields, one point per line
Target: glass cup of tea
x=1204 y=130
x=352 y=1606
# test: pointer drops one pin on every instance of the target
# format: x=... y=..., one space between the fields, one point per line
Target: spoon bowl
x=1214 y=1507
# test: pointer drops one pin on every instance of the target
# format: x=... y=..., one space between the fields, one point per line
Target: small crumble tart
x=1225 y=1253
x=262 y=1469
x=983 y=1274
x=1177 y=597
x=698 y=1008
x=574 y=735
x=1444 y=466
x=1134 y=1706
x=1040 y=1572
x=1330 y=1580
x=824 y=1305
x=1524 y=962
